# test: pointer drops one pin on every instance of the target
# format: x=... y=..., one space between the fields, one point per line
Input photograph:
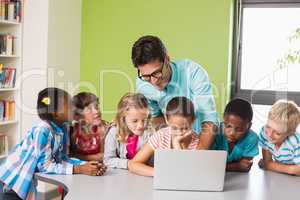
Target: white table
x=122 y=185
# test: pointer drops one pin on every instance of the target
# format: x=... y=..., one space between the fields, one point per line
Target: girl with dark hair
x=44 y=149
x=87 y=137
x=179 y=116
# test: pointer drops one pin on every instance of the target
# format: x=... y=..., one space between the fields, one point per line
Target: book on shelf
x=7 y=77
x=3 y=144
x=7 y=110
x=8 y=44
x=2 y=111
x=11 y=10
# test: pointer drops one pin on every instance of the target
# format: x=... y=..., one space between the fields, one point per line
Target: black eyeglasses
x=156 y=74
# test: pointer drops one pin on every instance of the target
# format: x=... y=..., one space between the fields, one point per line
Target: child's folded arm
x=243 y=165
x=50 y=167
x=233 y=167
x=270 y=164
x=115 y=162
x=138 y=164
x=282 y=168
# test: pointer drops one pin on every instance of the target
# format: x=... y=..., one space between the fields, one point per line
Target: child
x=236 y=137
x=89 y=130
x=178 y=134
x=279 y=140
x=130 y=132
x=44 y=149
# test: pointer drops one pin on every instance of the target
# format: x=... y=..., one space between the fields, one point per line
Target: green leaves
x=293 y=54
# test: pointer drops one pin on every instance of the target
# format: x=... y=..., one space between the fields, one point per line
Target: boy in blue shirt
x=236 y=137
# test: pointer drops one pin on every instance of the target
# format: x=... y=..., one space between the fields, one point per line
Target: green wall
x=196 y=29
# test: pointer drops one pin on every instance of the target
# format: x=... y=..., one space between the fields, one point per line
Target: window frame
x=262 y=97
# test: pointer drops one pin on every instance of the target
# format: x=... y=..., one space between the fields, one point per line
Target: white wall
x=64 y=43
x=51 y=50
x=35 y=58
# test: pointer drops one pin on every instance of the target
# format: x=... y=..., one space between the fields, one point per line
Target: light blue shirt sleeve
x=202 y=91
x=251 y=145
x=262 y=140
x=296 y=159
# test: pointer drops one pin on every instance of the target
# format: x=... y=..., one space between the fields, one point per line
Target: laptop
x=200 y=170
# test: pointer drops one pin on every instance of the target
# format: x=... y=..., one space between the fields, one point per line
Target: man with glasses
x=160 y=79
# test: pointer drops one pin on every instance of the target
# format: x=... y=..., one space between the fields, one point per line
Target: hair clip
x=46 y=101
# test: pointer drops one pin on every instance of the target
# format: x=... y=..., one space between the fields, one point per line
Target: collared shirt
x=190 y=80
x=44 y=149
x=288 y=152
x=245 y=147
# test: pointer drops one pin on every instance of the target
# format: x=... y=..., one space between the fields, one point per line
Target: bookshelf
x=11 y=30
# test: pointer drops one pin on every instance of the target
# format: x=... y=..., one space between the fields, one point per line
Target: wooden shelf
x=3 y=156
x=9 y=22
x=7 y=89
x=9 y=56
x=2 y=123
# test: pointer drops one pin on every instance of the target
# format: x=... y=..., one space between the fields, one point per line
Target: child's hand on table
x=294 y=170
x=101 y=169
x=261 y=164
x=245 y=164
x=92 y=168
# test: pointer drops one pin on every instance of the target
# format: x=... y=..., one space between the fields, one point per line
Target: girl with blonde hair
x=130 y=131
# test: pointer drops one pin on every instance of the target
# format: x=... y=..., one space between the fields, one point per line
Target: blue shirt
x=44 y=149
x=288 y=152
x=190 y=80
x=245 y=147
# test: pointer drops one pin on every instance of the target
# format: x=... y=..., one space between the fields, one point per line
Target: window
x=268 y=65
x=267 y=54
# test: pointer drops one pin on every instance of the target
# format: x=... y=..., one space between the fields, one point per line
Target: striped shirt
x=44 y=149
x=162 y=140
x=289 y=151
